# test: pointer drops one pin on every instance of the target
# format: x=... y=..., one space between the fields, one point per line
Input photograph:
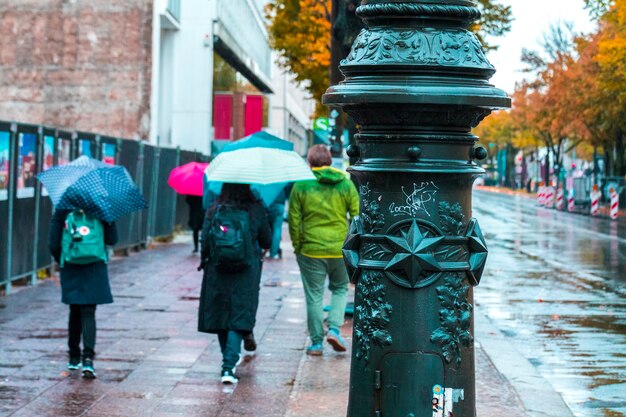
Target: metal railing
x=26 y=209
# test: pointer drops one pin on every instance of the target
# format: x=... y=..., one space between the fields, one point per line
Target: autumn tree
x=611 y=59
x=300 y=32
x=497 y=132
x=598 y=80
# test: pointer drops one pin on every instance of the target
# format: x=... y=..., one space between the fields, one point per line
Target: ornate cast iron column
x=416 y=81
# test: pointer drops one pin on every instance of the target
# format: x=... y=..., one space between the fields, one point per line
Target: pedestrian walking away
x=277 y=214
x=78 y=243
x=318 y=223
x=196 y=217
x=236 y=229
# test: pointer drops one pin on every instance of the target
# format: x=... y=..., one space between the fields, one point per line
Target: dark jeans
x=230 y=343
x=277 y=212
x=196 y=238
x=82 y=322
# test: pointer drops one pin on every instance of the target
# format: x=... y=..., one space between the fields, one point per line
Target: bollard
x=559 y=198
x=614 y=212
x=571 y=205
x=595 y=200
x=416 y=82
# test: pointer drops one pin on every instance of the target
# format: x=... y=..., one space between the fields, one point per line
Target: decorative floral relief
x=451 y=217
x=372 y=315
x=455 y=317
x=432 y=47
x=372 y=217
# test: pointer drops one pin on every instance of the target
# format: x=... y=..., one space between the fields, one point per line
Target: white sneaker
x=228 y=377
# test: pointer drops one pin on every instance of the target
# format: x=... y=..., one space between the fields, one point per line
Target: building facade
x=82 y=65
x=172 y=72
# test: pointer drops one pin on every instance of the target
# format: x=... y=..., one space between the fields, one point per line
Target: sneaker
x=249 y=343
x=228 y=377
x=74 y=364
x=335 y=340
x=88 y=371
x=316 y=349
x=238 y=363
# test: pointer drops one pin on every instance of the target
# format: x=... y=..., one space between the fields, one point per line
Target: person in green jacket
x=318 y=225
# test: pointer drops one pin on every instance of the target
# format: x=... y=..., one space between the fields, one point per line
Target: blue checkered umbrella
x=105 y=191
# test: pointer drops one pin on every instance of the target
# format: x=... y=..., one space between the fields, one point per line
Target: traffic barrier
x=571 y=204
x=549 y=197
x=540 y=194
x=595 y=200
x=559 y=198
x=614 y=204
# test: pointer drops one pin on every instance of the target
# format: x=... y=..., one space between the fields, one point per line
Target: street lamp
x=416 y=81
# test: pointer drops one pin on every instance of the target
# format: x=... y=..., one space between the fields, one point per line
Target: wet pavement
x=152 y=362
x=555 y=288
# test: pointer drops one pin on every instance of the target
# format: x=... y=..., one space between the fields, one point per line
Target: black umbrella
x=105 y=191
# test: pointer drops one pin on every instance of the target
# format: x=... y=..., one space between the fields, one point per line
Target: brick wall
x=77 y=64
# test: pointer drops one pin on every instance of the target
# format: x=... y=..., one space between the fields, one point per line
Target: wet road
x=555 y=284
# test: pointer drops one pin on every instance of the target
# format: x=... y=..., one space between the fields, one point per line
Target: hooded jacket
x=319 y=211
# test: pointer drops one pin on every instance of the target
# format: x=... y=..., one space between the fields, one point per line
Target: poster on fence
x=64 y=149
x=27 y=165
x=5 y=140
x=48 y=157
x=108 y=153
x=85 y=147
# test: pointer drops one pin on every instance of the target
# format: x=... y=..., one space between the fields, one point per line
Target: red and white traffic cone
x=549 y=197
x=614 y=204
x=595 y=200
x=559 y=198
x=540 y=194
x=570 y=201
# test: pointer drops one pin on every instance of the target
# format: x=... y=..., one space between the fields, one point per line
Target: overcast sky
x=532 y=19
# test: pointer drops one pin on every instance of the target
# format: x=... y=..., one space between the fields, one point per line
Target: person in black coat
x=196 y=217
x=229 y=300
x=82 y=288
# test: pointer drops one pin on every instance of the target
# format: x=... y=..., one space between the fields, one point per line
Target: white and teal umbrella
x=260 y=166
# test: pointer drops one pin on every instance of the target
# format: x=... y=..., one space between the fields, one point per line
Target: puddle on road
x=557 y=292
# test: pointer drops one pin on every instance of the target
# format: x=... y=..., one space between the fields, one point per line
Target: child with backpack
x=78 y=243
x=235 y=231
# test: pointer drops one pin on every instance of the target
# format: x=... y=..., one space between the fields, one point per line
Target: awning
x=228 y=48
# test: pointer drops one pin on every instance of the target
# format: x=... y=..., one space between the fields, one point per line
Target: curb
x=538 y=396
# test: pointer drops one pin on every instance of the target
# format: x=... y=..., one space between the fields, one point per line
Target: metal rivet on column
x=480 y=153
x=414 y=152
x=353 y=151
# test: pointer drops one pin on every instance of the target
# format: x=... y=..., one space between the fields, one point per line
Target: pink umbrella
x=187 y=179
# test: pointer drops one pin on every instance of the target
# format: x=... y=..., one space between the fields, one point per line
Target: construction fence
x=26 y=210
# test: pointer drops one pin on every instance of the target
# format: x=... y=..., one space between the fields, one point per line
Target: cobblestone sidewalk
x=152 y=362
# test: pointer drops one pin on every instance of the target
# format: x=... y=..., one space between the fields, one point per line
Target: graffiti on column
x=416 y=200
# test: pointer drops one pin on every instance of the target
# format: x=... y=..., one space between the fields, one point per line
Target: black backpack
x=230 y=239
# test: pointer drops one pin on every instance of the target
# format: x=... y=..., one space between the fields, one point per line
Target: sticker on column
x=451 y=397
x=438 y=401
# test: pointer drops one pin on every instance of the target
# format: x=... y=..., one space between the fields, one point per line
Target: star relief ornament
x=351 y=247
x=415 y=256
x=477 y=252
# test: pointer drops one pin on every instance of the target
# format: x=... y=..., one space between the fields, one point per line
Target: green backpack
x=230 y=241
x=83 y=240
